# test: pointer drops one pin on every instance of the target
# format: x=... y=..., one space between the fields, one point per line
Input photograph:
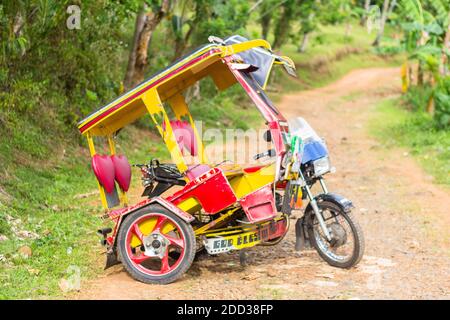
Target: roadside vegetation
x=398 y=126
x=420 y=119
x=52 y=76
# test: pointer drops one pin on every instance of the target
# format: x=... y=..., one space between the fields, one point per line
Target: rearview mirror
x=268 y=136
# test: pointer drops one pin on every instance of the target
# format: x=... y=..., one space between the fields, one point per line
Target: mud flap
x=301 y=236
x=111 y=259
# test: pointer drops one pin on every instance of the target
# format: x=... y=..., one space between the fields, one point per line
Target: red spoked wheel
x=155 y=245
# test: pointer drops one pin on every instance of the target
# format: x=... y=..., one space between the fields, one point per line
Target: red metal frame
x=259 y=205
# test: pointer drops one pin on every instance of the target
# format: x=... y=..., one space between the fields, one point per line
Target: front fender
x=119 y=215
x=345 y=204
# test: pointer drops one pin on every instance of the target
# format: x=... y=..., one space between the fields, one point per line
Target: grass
x=397 y=127
x=42 y=174
x=41 y=200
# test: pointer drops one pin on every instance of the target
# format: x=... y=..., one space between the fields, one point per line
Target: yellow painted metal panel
x=159 y=116
x=189 y=205
x=249 y=182
x=243 y=46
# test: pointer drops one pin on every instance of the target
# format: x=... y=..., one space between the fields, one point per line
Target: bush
x=442 y=103
x=417 y=97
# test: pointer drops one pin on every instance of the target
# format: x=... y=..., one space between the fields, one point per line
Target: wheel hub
x=155 y=245
x=338 y=235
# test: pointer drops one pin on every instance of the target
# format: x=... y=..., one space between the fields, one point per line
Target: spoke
x=159 y=223
x=137 y=232
x=165 y=262
x=139 y=259
x=175 y=241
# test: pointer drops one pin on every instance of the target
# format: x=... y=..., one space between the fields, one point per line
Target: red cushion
x=196 y=170
x=104 y=171
x=185 y=136
x=122 y=171
x=252 y=169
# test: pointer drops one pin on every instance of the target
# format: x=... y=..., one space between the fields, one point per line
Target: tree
x=309 y=13
x=366 y=11
x=283 y=24
x=384 y=16
x=146 y=23
x=266 y=16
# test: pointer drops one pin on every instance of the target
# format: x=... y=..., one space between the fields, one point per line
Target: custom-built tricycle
x=215 y=207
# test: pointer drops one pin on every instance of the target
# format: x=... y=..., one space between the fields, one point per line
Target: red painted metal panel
x=259 y=205
x=211 y=190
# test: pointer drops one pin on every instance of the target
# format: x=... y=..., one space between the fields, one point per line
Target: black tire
x=183 y=265
x=358 y=249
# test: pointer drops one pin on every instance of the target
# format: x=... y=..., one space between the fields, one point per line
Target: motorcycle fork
x=315 y=207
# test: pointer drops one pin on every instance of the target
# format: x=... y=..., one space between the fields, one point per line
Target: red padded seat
x=122 y=170
x=104 y=171
x=185 y=136
x=252 y=169
x=196 y=171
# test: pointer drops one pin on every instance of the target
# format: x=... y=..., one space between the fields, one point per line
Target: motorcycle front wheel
x=346 y=247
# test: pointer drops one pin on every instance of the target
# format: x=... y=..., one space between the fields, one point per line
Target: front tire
x=155 y=245
x=346 y=234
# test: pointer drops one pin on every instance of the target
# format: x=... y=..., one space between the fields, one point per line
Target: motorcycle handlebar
x=268 y=153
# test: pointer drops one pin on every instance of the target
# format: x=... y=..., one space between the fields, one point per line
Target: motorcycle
x=190 y=208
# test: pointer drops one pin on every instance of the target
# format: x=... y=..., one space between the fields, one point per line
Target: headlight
x=321 y=166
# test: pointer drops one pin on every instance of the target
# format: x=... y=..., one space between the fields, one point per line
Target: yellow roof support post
x=112 y=146
x=159 y=116
x=90 y=141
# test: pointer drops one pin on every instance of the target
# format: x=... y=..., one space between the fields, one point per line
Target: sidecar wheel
x=156 y=246
x=275 y=241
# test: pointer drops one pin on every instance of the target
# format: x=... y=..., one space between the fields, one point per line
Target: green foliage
x=338 y=11
x=417 y=97
x=424 y=24
x=220 y=18
x=442 y=103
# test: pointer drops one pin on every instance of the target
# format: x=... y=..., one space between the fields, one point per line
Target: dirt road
x=404 y=216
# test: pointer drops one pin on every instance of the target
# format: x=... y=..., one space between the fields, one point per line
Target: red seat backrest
x=196 y=170
x=184 y=133
x=104 y=171
x=122 y=169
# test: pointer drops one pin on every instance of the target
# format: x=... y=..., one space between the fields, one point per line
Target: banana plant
x=424 y=42
x=423 y=31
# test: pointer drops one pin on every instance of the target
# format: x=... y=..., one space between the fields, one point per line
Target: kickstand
x=243 y=257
